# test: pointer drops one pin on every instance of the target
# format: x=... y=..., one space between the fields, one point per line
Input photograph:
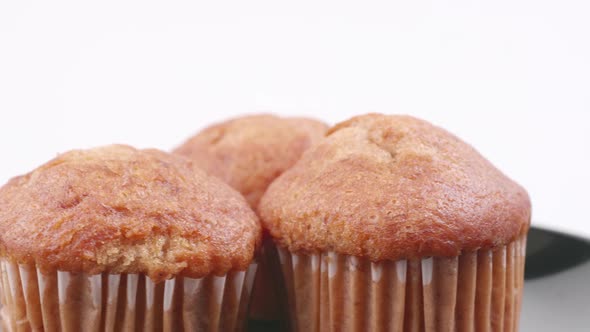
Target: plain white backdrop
x=510 y=77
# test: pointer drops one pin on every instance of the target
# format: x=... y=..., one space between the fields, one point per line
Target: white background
x=510 y=77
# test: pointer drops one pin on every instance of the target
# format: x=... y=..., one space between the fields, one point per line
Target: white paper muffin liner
x=63 y=301
x=477 y=291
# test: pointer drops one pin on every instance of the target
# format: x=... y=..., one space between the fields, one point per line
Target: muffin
x=120 y=239
x=393 y=224
x=249 y=153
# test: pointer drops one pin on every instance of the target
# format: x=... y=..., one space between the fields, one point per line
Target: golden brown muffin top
x=249 y=152
x=122 y=210
x=393 y=187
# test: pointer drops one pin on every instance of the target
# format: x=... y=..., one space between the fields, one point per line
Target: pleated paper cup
x=478 y=291
x=64 y=301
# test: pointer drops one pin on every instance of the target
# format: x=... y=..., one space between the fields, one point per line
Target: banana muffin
x=120 y=239
x=249 y=152
x=393 y=224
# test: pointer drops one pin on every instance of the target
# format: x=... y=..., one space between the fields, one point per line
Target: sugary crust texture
x=392 y=187
x=122 y=210
x=249 y=152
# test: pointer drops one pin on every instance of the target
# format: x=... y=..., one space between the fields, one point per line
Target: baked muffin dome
x=121 y=210
x=249 y=152
x=392 y=187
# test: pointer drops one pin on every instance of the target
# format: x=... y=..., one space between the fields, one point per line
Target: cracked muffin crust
x=390 y=187
x=117 y=209
x=249 y=152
